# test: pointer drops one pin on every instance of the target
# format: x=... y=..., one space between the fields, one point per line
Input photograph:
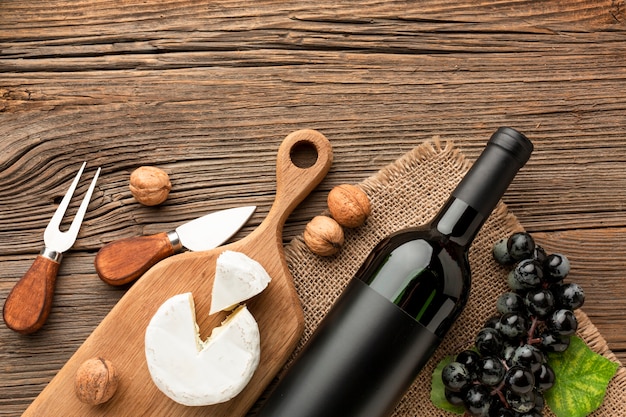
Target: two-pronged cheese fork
x=28 y=305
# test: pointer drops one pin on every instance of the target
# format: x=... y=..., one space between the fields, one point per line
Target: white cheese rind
x=196 y=373
x=237 y=278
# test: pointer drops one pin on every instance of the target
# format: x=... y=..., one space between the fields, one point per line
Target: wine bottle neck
x=478 y=193
x=459 y=221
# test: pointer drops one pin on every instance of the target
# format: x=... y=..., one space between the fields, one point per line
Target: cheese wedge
x=237 y=278
x=193 y=372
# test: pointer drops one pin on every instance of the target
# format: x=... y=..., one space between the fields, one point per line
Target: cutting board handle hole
x=303 y=154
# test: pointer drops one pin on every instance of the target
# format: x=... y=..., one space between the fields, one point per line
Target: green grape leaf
x=582 y=377
x=437 y=390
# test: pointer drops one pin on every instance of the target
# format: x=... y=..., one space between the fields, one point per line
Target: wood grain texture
x=207 y=90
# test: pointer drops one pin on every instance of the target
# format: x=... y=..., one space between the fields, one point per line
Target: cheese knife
x=125 y=260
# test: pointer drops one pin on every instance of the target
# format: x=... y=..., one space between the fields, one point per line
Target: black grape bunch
x=507 y=373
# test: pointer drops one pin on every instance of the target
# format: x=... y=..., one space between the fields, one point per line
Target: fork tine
x=80 y=214
x=55 y=221
x=62 y=241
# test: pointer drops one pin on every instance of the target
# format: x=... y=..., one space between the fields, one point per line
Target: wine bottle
x=394 y=313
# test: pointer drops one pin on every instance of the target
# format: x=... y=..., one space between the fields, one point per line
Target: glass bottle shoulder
x=423 y=273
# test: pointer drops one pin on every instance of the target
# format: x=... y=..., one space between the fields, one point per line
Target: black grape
x=562 y=322
x=569 y=296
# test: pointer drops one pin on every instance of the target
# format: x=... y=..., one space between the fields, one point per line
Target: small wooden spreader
x=120 y=336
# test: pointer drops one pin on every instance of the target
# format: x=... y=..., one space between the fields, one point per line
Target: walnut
x=150 y=185
x=349 y=205
x=323 y=236
x=96 y=381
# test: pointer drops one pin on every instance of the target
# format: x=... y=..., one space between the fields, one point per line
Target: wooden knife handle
x=28 y=305
x=125 y=260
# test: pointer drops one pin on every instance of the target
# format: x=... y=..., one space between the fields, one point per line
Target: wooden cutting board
x=120 y=336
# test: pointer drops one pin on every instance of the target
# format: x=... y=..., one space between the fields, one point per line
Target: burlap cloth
x=408 y=193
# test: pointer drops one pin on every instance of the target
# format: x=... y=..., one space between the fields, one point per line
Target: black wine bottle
x=405 y=297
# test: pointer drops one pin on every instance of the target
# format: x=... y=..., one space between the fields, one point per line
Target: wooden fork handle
x=125 y=260
x=28 y=305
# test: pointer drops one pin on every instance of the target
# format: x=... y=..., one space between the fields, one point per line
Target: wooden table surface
x=207 y=90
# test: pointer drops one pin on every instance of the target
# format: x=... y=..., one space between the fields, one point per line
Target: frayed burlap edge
x=320 y=280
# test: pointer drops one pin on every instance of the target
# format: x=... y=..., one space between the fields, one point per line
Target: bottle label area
x=367 y=346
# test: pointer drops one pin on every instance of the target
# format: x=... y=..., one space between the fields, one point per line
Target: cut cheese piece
x=196 y=373
x=237 y=278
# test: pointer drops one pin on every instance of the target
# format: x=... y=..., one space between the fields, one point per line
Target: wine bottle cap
x=513 y=141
